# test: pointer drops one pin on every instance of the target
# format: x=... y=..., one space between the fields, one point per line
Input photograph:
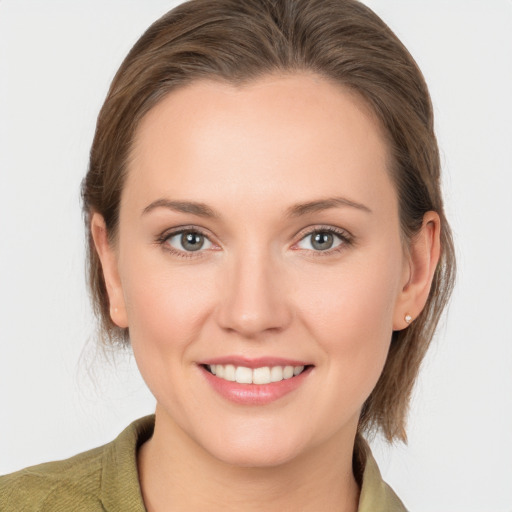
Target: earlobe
x=424 y=252
x=109 y=265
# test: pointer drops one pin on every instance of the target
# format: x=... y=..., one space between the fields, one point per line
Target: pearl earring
x=408 y=318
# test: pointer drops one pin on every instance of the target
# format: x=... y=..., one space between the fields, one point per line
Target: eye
x=323 y=240
x=188 y=241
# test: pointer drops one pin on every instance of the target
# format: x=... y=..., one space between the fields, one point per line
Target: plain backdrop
x=60 y=396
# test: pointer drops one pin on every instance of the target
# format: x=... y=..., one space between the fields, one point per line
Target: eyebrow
x=199 y=209
x=324 y=204
x=297 y=210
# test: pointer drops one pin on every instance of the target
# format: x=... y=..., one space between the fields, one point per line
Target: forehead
x=280 y=136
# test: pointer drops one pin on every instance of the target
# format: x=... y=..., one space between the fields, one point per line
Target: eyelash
x=166 y=235
x=346 y=240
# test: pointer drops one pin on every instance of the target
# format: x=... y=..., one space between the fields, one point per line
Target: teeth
x=276 y=373
x=229 y=372
x=287 y=372
x=243 y=375
x=263 y=375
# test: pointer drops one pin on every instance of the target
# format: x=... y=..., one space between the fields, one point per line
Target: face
x=258 y=239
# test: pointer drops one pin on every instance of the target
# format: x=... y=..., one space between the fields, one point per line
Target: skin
x=258 y=287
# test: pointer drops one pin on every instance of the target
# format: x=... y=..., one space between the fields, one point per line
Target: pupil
x=322 y=241
x=192 y=241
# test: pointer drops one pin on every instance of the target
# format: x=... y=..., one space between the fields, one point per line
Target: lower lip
x=254 y=394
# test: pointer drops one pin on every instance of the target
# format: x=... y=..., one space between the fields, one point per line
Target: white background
x=58 y=396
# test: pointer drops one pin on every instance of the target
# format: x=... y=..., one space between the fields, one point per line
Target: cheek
x=165 y=306
x=358 y=298
x=349 y=312
x=166 y=310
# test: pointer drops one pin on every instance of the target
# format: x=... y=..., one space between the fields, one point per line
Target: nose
x=254 y=295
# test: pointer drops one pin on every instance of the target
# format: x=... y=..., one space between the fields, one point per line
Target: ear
x=109 y=265
x=422 y=258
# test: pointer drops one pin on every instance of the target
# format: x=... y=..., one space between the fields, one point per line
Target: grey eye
x=320 y=241
x=189 y=241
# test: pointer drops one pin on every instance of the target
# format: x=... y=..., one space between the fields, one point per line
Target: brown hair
x=240 y=40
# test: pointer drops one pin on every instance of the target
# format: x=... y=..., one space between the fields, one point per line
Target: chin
x=255 y=457
x=255 y=449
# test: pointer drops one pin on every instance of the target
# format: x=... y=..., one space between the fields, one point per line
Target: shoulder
x=376 y=495
x=104 y=478
x=55 y=486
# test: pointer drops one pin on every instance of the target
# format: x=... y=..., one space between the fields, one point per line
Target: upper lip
x=257 y=362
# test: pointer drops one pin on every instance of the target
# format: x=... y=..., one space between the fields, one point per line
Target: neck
x=177 y=474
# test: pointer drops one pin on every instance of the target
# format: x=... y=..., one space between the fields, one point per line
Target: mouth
x=255 y=381
x=260 y=376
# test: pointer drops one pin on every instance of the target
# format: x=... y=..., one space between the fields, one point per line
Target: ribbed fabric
x=105 y=479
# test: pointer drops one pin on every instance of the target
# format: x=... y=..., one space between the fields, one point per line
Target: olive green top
x=105 y=479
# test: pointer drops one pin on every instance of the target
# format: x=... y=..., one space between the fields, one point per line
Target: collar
x=376 y=494
x=120 y=488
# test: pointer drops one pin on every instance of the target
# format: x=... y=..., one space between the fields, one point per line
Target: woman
x=266 y=230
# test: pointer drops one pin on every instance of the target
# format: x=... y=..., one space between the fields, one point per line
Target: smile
x=262 y=375
x=258 y=381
